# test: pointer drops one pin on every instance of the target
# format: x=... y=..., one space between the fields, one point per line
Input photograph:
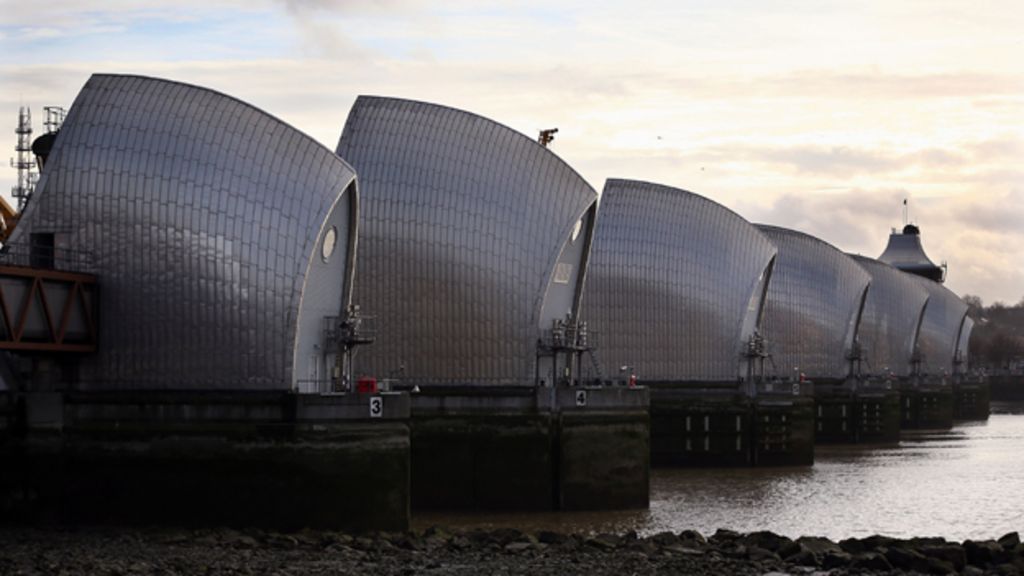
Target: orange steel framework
x=70 y=294
x=8 y=219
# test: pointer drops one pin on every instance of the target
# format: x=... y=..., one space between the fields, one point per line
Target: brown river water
x=963 y=483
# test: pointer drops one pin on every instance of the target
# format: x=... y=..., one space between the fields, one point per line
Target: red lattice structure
x=46 y=310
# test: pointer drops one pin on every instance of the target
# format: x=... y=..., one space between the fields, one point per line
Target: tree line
x=997 y=342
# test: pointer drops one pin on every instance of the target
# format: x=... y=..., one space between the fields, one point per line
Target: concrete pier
x=869 y=415
x=783 y=431
x=1006 y=387
x=577 y=448
x=928 y=406
x=971 y=399
x=709 y=428
x=249 y=459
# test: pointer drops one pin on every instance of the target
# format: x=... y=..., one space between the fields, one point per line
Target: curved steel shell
x=464 y=221
x=962 y=361
x=940 y=328
x=891 y=320
x=673 y=285
x=815 y=298
x=203 y=216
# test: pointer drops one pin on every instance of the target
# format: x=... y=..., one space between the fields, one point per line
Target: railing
x=314 y=386
x=47 y=256
x=785 y=387
x=567 y=335
x=352 y=329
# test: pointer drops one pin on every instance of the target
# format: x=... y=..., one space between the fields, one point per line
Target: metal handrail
x=46 y=256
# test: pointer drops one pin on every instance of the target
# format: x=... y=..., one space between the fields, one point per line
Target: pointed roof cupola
x=906 y=253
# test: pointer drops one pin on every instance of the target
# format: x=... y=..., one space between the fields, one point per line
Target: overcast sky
x=820 y=115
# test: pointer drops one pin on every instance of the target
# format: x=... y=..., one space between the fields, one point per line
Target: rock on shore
x=163 y=551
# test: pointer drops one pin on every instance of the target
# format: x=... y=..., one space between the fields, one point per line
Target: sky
x=821 y=116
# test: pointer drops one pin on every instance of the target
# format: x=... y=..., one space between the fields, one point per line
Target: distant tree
x=1003 y=348
x=975 y=307
x=998 y=336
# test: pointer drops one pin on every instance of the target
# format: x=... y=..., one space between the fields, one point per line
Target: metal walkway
x=43 y=309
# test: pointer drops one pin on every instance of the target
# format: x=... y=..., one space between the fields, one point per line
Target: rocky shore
x=435 y=551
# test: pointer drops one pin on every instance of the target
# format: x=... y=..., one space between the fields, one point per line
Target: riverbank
x=110 y=551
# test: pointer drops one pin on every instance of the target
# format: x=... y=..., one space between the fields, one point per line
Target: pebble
x=441 y=552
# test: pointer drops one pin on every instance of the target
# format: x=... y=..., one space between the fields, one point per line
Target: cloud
x=39 y=33
x=66 y=14
x=856 y=220
x=773 y=114
x=837 y=160
x=1000 y=214
x=326 y=39
x=884 y=86
x=1003 y=148
x=360 y=7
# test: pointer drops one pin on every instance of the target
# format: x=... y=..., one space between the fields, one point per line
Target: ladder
x=596 y=364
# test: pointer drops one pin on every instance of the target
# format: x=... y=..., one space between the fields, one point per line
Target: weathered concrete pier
x=972 y=398
x=704 y=428
x=1006 y=387
x=783 y=429
x=579 y=448
x=867 y=415
x=189 y=458
x=926 y=405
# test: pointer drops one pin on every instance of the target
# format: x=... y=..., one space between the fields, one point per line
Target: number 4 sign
x=581 y=398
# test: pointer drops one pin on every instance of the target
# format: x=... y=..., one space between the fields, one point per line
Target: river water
x=963 y=483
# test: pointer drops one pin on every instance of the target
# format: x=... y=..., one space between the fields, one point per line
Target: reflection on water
x=964 y=483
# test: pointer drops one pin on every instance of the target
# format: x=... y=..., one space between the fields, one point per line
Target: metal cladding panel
x=201 y=214
x=891 y=319
x=814 y=302
x=940 y=328
x=462 y=224
x=671 y=279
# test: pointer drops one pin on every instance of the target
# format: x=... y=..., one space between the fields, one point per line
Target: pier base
x=971 y=400
x=1006 y=387
x=530 y=449
x=866 y=416
x=280 y=461
x=714 y=429
x=783 y=431
x=926 y=408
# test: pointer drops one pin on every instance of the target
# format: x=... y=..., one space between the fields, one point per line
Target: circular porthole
x=576 y=231
x=329 y=243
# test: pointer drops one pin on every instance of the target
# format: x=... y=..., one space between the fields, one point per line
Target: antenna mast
x=54 y=118
x=24 y=163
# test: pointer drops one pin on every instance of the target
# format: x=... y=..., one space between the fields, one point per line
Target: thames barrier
x=200 y=301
